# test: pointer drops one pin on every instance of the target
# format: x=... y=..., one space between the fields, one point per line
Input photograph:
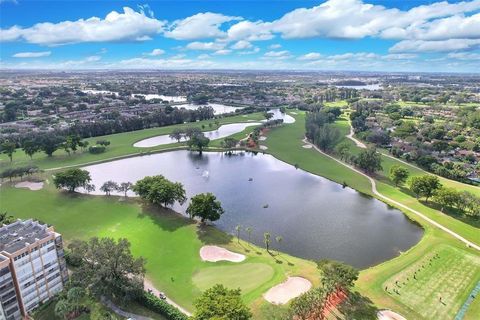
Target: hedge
x=151 y=302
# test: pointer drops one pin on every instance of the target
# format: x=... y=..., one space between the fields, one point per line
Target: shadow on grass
x=357 y=306
x=454 y=213
x=165 y=218
x=210 y=235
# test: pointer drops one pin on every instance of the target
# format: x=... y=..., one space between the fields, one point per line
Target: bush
x=96 y=149
x=151 y=302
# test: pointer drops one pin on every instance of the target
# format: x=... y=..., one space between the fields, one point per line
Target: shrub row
x=151 y=302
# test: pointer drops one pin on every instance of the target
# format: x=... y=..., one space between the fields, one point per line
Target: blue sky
x=305 y=35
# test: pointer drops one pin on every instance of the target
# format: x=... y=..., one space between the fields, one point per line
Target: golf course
x=446 y=270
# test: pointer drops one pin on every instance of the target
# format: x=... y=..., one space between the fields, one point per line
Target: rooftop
x=20 y=234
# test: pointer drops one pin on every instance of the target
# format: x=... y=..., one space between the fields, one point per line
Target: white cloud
x=399 y=56
x=203 y=56
x=32 y=54
x=275 y=46
x=277 y=55
x=242 y=44
x=199 y=26
x=222 y=52
x=247 y=52
x=435 y=46
x=353 y=19
x=250 y=31
x=464 y=56
x=127 y=26
x=310 y=56
x=93 y=59
x=213 y=46
x=144 y=63
x=156 y=52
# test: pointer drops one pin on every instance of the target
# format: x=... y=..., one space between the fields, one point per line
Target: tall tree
x=8 y=147
x=398 y=175
x=205 y=206
x=369 y=160
x=106 y=267
x=220 y=303
x=30 y=148
x=198 y=142
x=71 y=179
x=424 y=186
x=124 y=187
x=177 y=134
x=159 y=190
x=266 y=241
x=108 y=187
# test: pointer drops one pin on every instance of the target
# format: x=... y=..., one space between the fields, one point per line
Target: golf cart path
x=148 y=285
x=375 y=191
x=359 y=143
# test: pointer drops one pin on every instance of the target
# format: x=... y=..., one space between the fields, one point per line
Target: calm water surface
x=222 y=132
x=316 y=217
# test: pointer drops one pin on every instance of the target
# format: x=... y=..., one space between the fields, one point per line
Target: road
x=401 y=205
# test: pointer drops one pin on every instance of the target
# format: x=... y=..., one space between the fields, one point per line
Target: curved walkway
x=359 y=143
x=375 y=191
x=148 y=285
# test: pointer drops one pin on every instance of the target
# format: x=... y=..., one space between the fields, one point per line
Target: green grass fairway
x=246 y=276
x=449 y=276
x=121 y=145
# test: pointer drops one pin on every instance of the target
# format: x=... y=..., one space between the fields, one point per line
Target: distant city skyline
x=348 y=35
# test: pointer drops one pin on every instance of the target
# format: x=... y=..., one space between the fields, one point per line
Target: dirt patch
x=34 y=186
x=286 y=291
x=307 y=146
x=389 y=315
x=214 y=254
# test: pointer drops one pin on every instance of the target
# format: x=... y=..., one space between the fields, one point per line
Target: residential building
x=32 y=266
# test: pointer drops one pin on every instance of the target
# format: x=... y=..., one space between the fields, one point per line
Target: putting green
x=247 y=276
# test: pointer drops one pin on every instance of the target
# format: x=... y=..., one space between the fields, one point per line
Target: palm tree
x=279 y=240
x=238 y=229
x=266 y=240
x=249 y=232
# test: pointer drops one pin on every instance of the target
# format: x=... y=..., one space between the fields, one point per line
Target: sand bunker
x=286 y=291
x=293 y=112
x=389 y=315
x=262 y=138
x=263 y=147
x=307 y=146
x=214 y=254
x=34 y=186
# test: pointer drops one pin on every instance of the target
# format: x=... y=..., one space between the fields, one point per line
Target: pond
x=217 y=107
x=317 y=218
x=222 y=132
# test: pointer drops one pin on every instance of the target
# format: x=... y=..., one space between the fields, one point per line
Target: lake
x=217 y=107
x=317 y=218
x=222 y=132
